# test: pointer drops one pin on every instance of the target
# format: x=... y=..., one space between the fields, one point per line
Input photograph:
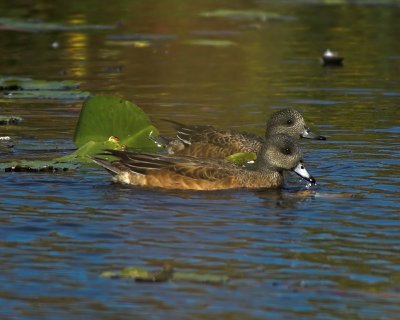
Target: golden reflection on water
x=77 y=48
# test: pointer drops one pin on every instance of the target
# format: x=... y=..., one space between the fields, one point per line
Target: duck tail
x=114 y=170
x=176 y=124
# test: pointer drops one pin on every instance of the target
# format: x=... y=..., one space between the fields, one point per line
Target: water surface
x=329 y=253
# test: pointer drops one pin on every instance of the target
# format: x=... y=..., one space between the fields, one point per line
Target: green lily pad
x=105 y=122
x=134 y=43
x=26 y=88
x=9 y=84
x=211 y=43
x=141 y=37
x=138 y=40
x=47 y=95
x=66 y=163
x=103 y=117
x=37 y=166
x=91 y=149
x=241 y=158
x=38 y=26
x=165 y=274
x=242 y=14
x=13 y=78
x=10 y=120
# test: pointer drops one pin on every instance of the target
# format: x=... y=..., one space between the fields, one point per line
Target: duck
x=278 y=153
x=210 y=142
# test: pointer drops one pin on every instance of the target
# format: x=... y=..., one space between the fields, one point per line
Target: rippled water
x=326 y=253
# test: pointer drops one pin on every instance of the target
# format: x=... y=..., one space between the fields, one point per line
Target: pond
x=326 y=252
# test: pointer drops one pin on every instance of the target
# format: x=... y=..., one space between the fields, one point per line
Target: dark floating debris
x=19 y=168
x=10 y=120
x=331 y=58
x=112 y=69
x=36 y=166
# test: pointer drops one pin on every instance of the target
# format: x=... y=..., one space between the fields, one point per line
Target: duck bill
x=302 y=172
x=307 y=134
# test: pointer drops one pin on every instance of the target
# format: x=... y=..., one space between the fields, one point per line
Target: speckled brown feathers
x=210 y=142
x=279 y=153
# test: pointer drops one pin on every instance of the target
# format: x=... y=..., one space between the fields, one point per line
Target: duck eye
x=286 y=151
x=289 y=122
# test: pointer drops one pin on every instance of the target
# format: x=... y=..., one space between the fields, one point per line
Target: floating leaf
x=10 y=84
x=91 y=149
x=26 y=88
x=211 y=42
x=103 y=117
x=37 y=166
x=102 y=121
x=135 y=43
x=165 y=274
x=47 y=94
x=14 y=78
x=38 y=26
x=61 y=164
x=216 y=33
x=141 y=37
x=199 y=277
x=10 y=120
x=242 y=14
x=241 y=158
x=138 y=40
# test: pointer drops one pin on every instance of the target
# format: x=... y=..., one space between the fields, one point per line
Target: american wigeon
x=278 y=153
x=211 y=142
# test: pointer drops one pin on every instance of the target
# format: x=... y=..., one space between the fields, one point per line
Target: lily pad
x=10 y=120
x=38 y=26
x=134 y=43
x=211 y=43
x=103 y=117
x=141 y=37
x=241 y=158
x=139 y=40
x=90 y=149
x=37 y=166
x=9 y=84
x=14 y=78
x=243 y=15
x=165 y=274
x=26 y=88
x=105 y=122
x=62 y=164
x=47 y=94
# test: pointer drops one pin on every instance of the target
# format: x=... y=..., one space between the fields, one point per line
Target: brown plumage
x=211 y=142
x=278 y=153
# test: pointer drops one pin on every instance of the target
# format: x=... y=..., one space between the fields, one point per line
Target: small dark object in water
x=10 y=121
x=112 y=69
x=21 y=168
x=331 y=58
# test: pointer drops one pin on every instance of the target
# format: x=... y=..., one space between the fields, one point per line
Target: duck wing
x=229 y=139
x=192 y=167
